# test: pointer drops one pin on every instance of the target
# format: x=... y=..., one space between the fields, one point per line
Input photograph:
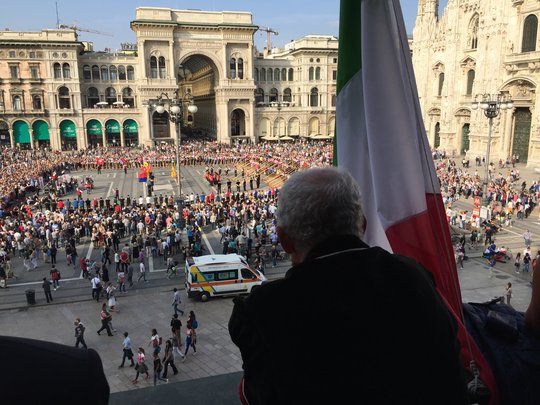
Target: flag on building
x=381 y=141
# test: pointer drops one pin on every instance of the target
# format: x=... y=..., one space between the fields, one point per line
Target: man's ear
x=286 y=243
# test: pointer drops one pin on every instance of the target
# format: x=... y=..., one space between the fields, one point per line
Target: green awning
x=112 y=127
x=41 y=131
x=130 y=127
x=93 y=127
x=21 y=134
x=67 y=129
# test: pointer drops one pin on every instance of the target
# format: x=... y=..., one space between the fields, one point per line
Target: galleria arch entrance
x=206 y=54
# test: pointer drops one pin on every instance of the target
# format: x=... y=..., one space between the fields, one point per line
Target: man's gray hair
x=319 y=203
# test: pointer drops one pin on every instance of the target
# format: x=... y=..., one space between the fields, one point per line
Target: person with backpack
x=79 y=333
x=106 y=318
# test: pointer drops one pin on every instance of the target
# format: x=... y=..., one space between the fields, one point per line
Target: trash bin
x=31 y=297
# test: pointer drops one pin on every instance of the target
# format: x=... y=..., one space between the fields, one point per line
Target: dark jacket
x=349 y=322
x=81 y=371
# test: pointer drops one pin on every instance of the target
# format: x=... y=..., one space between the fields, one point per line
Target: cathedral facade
x=475 y=48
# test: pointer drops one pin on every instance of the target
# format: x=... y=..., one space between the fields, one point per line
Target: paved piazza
x=148 y=305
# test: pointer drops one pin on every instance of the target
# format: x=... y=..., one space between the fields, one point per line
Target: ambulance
x=220 y=275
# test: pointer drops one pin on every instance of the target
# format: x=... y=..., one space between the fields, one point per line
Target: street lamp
x=491 y=104
x=175 y=110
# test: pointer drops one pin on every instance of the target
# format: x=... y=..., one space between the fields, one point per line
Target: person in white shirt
x=142 y=274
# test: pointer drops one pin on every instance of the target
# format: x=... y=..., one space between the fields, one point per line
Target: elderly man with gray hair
x=349 y=323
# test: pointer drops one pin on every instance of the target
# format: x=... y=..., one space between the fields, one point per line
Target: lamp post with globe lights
x=174 y=108
x=492 y=104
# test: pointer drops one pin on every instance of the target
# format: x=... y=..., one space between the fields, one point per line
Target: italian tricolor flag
x=381 y=140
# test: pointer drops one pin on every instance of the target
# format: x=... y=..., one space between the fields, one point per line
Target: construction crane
x=76 y=28
x=268 y=32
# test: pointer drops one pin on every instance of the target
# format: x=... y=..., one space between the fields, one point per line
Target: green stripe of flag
x=349 y=55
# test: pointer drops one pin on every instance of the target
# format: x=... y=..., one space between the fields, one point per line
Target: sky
x=291 y=19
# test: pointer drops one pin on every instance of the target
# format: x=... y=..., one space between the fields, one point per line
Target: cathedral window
x=153 y=67
x=530 y=28
x=232 y=68
x=441 y=84
x=470 y=81
x=473 y=32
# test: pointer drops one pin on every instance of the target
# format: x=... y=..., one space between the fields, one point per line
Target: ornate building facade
x=479 y=47
x=56 y=92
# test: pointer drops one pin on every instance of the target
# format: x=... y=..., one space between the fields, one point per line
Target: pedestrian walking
x=517 y=262
x=155 y=341
x=121 y=279
x=127 y=351
x=111 y=298
x=106 y=317
x=53 y=251
x=191 y=341
x=96 y=287
x=168 y=359
x=176 y=301
x=130 y=275
x=158 y=368
x=527 y=238
x=46 y=285
x=142 y=272
x=79 y=333
x=491 y=265
x=141 y=366
x=526 y=262
x=508 y=293
x=176 y=329
x=55 y=277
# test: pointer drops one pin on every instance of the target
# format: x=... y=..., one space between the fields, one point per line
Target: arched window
x=333 y=100
x=291 y=74
x=93 y=96
x=470 y=81
x=283 y=74
x=293 y=128
x=87 y=72
x=277 y=75
x=127 y=97
x=314 y=97
x=287 y=95
x=57 y=71
x=473 y=32
x=530 y=28
x=273 y=96
x=64 y=100
x=263 y=74
x=240 y=68
x=259 y=95
x=104 y=73
x=270 y=75
x=441 y=84
x=311 y=73
x=66 y=71
x=17 y=103
x=110 y=95
x=130 y=73
x=318 y=73
x=232 y=68
x=162 y=67
x=36 y=103
x=153 y=67
x=95 y=72
x=114 y=73
x=122 y=72
x=256 y=74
